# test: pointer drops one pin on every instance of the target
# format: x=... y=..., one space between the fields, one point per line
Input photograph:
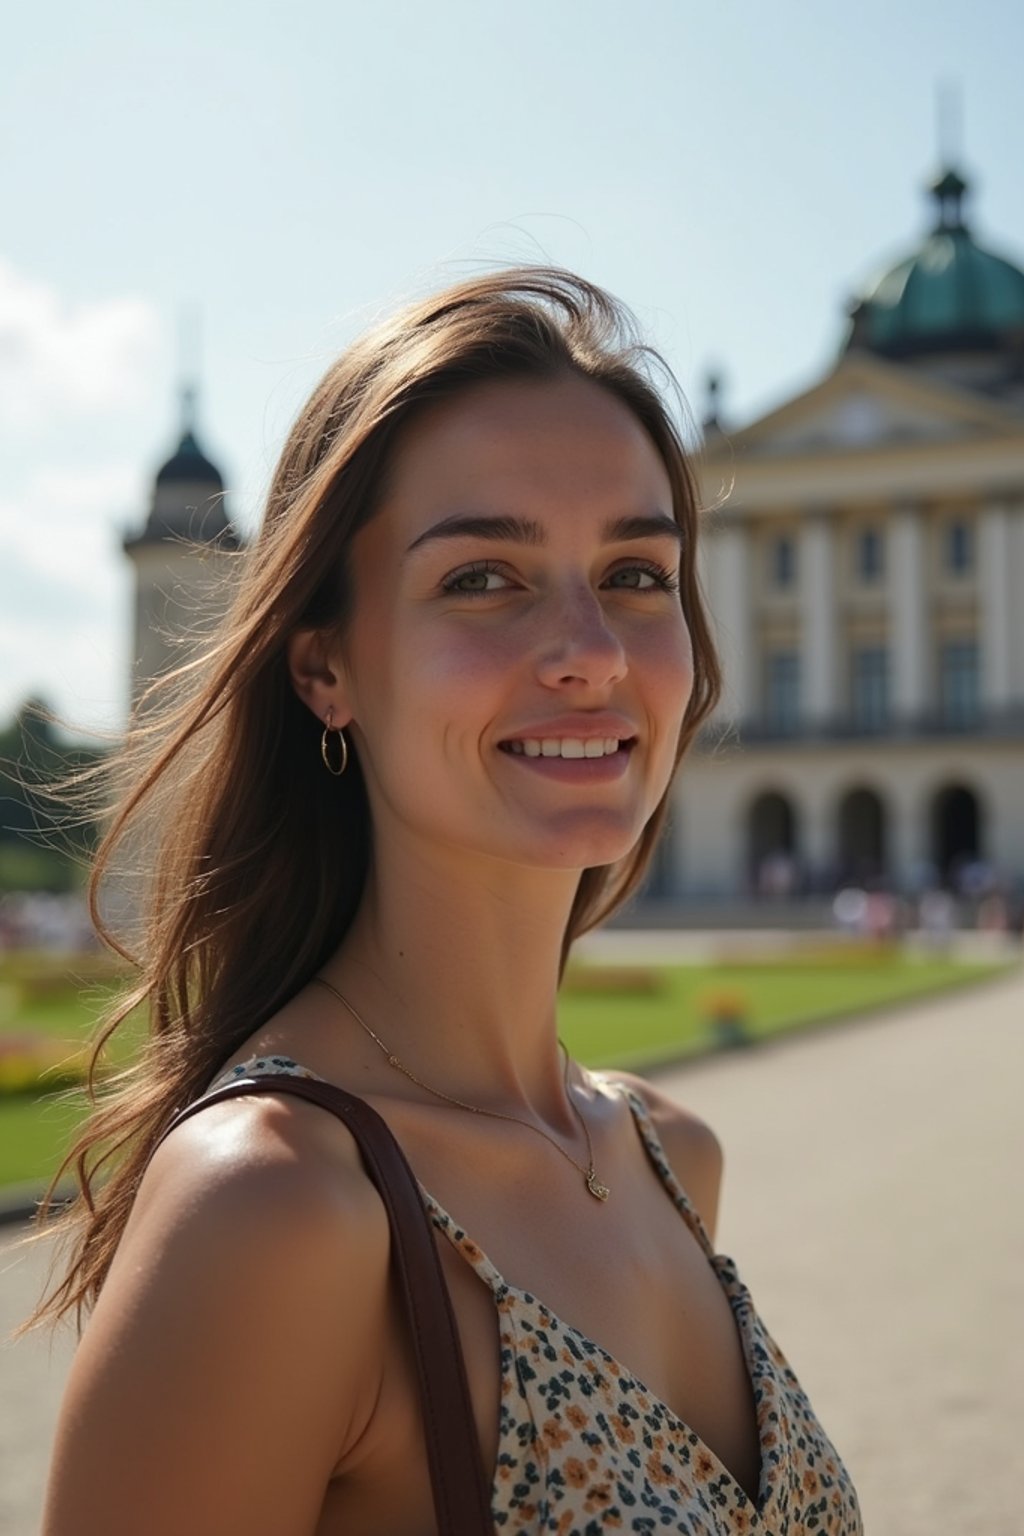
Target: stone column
x=818 y=626
x=908 y=803
x=730 y=592
x=817 y=849
x=995 y=606
x=908 y=618
x=1016 y=566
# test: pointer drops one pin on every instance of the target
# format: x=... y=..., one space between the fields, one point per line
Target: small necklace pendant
x=597 y=1189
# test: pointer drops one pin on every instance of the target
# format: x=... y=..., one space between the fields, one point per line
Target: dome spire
x=949 y=187
x=189 y=395
x=712 y=399
x=949 y=108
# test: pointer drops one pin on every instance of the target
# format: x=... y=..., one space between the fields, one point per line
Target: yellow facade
x=875 y=670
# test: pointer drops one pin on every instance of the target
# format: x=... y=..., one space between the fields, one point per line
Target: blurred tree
x=45 y=840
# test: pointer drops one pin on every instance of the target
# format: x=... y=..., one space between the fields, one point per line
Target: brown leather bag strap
x=461 y=1493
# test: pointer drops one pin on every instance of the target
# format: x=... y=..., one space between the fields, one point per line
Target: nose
x=579 y=645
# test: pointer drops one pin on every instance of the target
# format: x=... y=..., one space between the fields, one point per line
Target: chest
x=616 y=1331
x=627 y=1292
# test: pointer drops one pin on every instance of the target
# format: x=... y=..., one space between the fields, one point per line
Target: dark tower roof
x=188 y=495
x=188 y=462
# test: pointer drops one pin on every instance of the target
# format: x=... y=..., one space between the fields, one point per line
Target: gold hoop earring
x=337 y=772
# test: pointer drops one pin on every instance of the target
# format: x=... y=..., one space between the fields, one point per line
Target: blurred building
x=865 y=578
x=180 y=557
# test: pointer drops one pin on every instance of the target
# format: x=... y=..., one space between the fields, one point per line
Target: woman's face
x=517 y=664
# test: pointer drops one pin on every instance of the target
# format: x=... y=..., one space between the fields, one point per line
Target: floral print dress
x=585 y=1447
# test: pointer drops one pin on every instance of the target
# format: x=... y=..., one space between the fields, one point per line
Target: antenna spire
x=949 y=114
x=189 y=368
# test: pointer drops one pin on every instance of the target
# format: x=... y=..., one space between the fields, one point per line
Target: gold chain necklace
x=597 y=1189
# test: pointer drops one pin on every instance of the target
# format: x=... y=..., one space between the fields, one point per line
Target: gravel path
x=869 y=1203
x=872 y=1202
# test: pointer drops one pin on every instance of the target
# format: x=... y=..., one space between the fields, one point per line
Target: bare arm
x=230 y=1359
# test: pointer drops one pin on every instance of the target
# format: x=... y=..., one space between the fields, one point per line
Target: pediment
x=867 y=404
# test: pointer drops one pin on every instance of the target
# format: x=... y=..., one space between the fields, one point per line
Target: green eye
x=474 y=580
x=643 y=578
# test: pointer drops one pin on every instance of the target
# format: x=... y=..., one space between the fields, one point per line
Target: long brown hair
x=253 y=859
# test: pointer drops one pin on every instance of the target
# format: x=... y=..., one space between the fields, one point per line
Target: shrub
x=614 y=978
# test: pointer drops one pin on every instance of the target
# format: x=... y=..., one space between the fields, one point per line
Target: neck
x=454 y=964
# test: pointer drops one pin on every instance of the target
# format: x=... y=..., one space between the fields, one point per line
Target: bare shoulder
x=691 y=1146
x=266 y=1175
x=228 y=1366
x=253 y=1144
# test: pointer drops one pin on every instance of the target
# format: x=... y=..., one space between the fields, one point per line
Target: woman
x=433 y=744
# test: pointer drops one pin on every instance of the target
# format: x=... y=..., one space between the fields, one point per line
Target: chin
x=587 y=846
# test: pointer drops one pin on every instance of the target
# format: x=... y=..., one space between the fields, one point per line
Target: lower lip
x=576 y=770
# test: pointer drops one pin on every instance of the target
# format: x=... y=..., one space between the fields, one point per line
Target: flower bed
x=37 y=1063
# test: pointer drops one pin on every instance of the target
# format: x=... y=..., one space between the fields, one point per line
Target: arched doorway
x=772 y=845
x=862 y=837
x=956 y=829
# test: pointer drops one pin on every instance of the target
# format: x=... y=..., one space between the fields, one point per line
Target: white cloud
x=65 y=592
x=64 y=523
x=79 y=390
x=60 y=360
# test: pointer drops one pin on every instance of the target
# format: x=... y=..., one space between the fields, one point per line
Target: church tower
x=179 y=556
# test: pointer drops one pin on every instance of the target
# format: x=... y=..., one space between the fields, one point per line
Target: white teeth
x=565 y=746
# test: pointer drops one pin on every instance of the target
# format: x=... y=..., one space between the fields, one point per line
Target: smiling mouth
x=567 y=746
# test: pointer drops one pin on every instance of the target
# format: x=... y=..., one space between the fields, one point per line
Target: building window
x=870 y=687
x=782 y=690
x=959 y=547
x=959 y=682
x=784 y=561
x=869 y=554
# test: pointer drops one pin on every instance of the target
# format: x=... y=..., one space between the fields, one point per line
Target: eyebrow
x=521 y=530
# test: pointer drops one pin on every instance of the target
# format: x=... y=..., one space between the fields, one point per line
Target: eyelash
x=664 y=580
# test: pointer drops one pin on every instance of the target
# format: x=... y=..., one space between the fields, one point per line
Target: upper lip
x=575 y=727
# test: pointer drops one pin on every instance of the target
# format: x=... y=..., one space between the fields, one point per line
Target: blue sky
x=733 y=171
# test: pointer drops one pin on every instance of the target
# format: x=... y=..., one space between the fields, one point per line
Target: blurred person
x=433 y=745
x=937 y=916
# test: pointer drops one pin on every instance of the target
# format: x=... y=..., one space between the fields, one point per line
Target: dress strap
x=465 y=1246
x=656 y=1153
x=260 y=1066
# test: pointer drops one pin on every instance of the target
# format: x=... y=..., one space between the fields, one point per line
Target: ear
x=317 y=677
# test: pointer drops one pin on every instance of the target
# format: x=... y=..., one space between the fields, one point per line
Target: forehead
x=515 y=445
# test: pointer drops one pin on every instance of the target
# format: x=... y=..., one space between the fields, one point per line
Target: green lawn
x=641 y=1031
x=628 y=1028
x=34 y=1135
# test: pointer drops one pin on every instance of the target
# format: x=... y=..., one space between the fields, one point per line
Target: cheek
x=462 y=663
x=663 y=656
x=428 y=678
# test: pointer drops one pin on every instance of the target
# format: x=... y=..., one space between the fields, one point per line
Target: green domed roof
x=948 y=296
